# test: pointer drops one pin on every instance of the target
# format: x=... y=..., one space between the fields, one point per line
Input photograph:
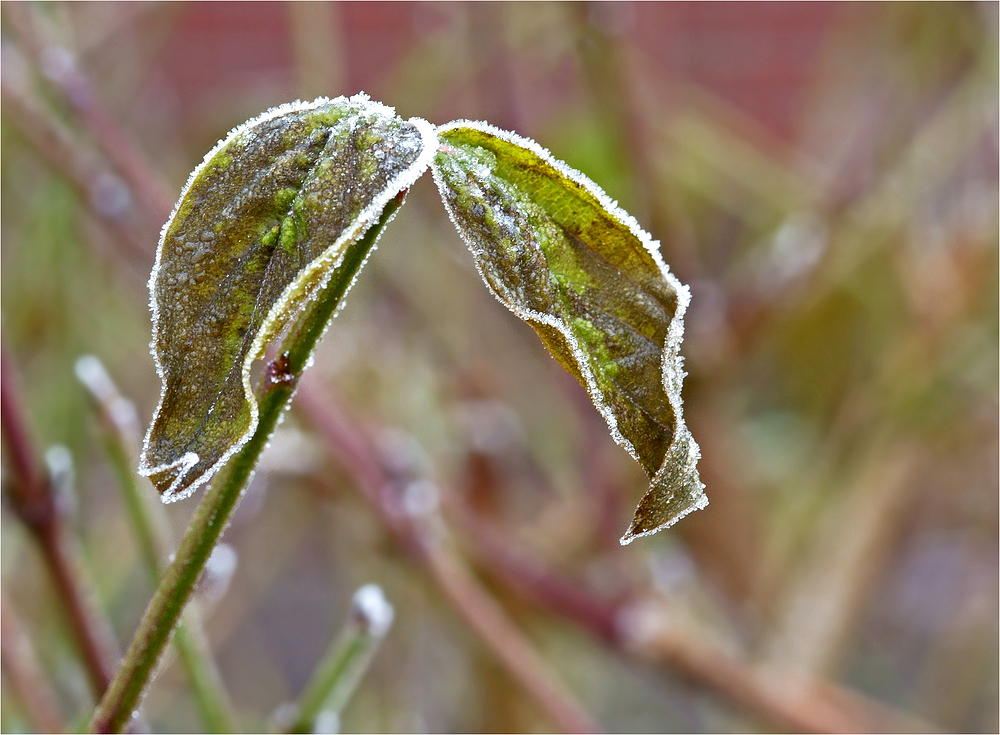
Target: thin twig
x=720 y=672
x=529 y=576
x=345 y=662
x=213 y=514
x=25 y=676
x=33 y=501
x=790 y=703
x=103 y=192
x=480 y=611
x=151 y=526
x=484 y=615
x=796 y=704
x=837 y=572
x=49 y=54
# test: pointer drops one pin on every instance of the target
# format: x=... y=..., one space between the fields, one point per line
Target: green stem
x=150 y=532
x=164 y=611
x=152 y=529
x=206 y=683
x=210 y=520
x=190 y=642
x=346 y=660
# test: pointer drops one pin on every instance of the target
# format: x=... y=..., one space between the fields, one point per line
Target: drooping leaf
x=558 y=253
x=260 y=229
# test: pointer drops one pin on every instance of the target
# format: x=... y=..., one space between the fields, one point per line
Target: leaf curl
x=260 y=229
x=556 y=251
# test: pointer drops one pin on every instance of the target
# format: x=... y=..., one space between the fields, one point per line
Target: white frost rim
x=329 y=259
x=672 y=363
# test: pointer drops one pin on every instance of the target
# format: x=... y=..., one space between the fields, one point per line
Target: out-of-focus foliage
x=825 y=178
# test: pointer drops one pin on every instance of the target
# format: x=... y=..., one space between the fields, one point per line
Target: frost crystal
x=261 y=226
x=371 y=610
x=555 y=250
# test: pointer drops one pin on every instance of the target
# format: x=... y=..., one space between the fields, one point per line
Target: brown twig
x=792 y=703
x=32 y=499
x=789 y=703
x=25 y=676
x=102 y=191
x=484 y=615
x=528 y=576
x=383 y=487
x=60 y=66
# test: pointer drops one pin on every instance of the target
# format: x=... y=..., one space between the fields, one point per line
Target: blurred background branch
x=33 y=499
x=20 y=664
x=408 y=505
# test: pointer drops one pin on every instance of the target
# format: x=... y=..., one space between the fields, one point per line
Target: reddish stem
x=33 y=501
x=480 y=611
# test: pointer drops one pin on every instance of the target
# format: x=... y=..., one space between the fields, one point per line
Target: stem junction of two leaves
x=275 y=212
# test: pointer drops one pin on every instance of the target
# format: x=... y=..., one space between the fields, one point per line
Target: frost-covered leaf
x=261 y=227
x=563 y=257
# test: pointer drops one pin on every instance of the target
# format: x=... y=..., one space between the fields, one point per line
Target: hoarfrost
x=530 y=288
x=360 y=116
x=372 y=611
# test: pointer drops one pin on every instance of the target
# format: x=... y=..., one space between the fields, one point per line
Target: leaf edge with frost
x=672 y=374
x=296 y=291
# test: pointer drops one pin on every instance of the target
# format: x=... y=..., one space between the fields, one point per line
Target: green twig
x=206 y=683
x=152 y=530
x=212 y=517
x=345 y=662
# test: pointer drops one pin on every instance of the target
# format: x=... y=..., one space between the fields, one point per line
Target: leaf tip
x=640 y=526
x=172 y=480
x=675 y=491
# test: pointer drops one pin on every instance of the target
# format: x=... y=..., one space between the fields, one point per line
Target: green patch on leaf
x=559 y=254
x=261 y=228
x=274 y=222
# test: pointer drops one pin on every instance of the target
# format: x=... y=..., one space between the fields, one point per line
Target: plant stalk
x=346 y=661
x=210 y=520
x=153 y=535
x=32 y=500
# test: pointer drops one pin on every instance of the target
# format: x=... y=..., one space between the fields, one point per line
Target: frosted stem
x=346 y=661
x=210 y=520
x=152 y=530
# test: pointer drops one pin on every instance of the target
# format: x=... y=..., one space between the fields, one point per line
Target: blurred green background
x=824 y=176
